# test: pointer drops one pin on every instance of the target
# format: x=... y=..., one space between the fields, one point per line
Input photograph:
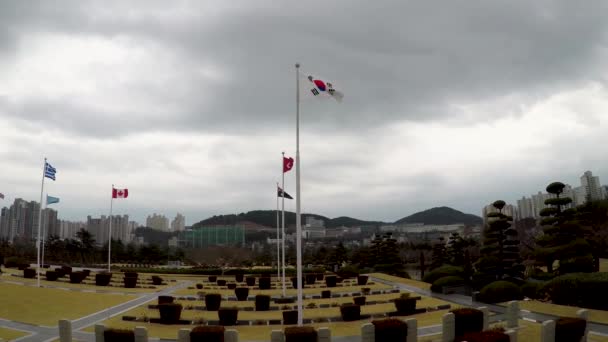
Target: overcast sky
x=188 y=104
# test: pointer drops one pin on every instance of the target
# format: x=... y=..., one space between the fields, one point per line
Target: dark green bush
x=103 y=279
x=213 y=301
x=14 y=262
x=239 y=277
x=29 y=273
x=294 y=282
x=231 y=286
x=250 y=281
x=326 y=294
x=359 y=300
x=500 y=291
x=262 y=303
x=539 y=274
x=264 y=283
x=311 y=278
x=86 y=272
x=207 y=333
x=446 y=281
x=320 y=276
x=221 y=282
x=170 y=313
x=390 y=330
x=76 y=277
x=119 y=335
x=362 y=280
x=227 y=316
x=348 y=271
x=467 y=320
x=212 y=279
x=532 y=290
x=392 y=269
x=443 y=271
x=130 y=282
x=165 y=300
x=484 y=336
x=300 y=334
x=241 y=293
x=578 y=264
x=330 y=281
x=51 y=275
x=350 y=312
x=479 y=280
x=569 y=329
x=579 y=289
x=234 y=271
x=405 y=306
x=66 y=269
x=156 y=280
x=290 y=317
x=131 y=274
x=199 y=286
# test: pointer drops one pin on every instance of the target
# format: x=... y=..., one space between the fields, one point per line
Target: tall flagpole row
x=278 y=239
x=283 y=220
x=298 y=218
x=110 y=232
x=39 y=224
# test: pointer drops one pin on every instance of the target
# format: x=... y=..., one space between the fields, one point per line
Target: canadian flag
x=287 y=164
x=120 y=193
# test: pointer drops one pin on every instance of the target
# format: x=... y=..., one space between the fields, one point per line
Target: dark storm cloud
x=395 y=60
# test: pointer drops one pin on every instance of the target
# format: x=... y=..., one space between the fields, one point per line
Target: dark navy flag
x=49 y=171
x=282 y=193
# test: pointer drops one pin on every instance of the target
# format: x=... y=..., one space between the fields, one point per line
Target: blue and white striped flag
x=49 y=171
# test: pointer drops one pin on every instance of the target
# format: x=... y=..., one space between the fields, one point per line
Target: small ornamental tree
x=439 y=254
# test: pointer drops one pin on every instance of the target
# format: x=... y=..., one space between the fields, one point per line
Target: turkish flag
x=120 y=193
x=287 y=164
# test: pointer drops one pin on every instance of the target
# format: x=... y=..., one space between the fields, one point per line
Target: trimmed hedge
x=231 y=286
x=103 y=279
x=311 y=278
x=239 y=277
x=350 y=312
x=212 y=279
x=250 y=281
x=300 y=334
x=467 y=320
x=221 y=282
x=227 y=316
x=119 y=335
x=51 y=275
x=170 y=313
x=264 y=283
x=443 y=271
x=130 y=282
x=348 y=272
x=500 y=291
x=290 y=317
x=484 y=336
x=156 y=280
x=532 y=290
x=359 y=300
x=165 y=300
x=209 y=333
x=262 y=303
x=569 y=329
x=76 y=277
x=446 y=281
x=29 y=273
x=330 y=281
x=362 y=280
x=241 y=293
x=579 y=289
x=405 y=306
x=213 y=301
x=326 y=294
x=294 y=282
x=390 y=330
x=320 y=276
x=199 y=286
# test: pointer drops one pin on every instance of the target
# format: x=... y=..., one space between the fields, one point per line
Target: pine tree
x=439 y=253
x=456 y=249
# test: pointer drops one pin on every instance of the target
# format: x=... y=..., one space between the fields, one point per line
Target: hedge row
x=579 y=289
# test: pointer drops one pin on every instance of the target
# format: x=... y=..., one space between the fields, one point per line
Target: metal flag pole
x=39 y=224
x=298 y=221
x=278 y=239
x=110 y=232
x=283 y=221
x=44 y=233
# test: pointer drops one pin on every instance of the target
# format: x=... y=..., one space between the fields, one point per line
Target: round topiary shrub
x=221 y=282
x=264 y=283
x=199 y=286
x=467 y=320
x=326 y=294
x=405 y=305
x=446 y=281
x=208 y=333
x=330 y=281
x=241 y=293
x=231 y=286
x=103 y=279
x=66 y=269
x=239 y=277
x=165 y=300
x=51 y=275
x=250 y=281
x=390 y=330
x=290 y=317
x=500 y=291
x=320 y=276
x=350 y=312
x=29 y=273
x=212 y=279
x=441 y=272
x=227 y=316
x=311 y=278
x=579 y=289
x=569 y=329
x=262 y=303
x=362 y=280
x=359 y=300
x=156 y=280
x=170 y=313
x=213 y=301
x=76 y=277
x=484 y=336
x=119 y=335
x=300 y=334
x=86 y=272
x=130 y=282
x=532 y=290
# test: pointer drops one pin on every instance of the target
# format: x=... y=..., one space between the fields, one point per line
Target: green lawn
x=597 y=316
x=290 y=291
x=10 y=334
x=45 y=306
x=410 y=282
x=603 y=265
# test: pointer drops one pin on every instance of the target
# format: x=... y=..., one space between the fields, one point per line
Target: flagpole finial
x=297 y=65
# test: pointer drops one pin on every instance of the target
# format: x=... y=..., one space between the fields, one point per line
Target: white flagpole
x=283 y=220
x=44 y=232
x=278 y=239
x=298 y=223
x=40 y=223
x=110 y=232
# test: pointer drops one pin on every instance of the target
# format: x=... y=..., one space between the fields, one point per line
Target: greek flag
x=49 y=171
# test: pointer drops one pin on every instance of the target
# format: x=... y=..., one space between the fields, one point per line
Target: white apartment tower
x=158 y=222
x=179 y=223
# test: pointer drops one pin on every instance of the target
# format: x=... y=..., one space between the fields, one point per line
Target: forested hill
x=441 y=215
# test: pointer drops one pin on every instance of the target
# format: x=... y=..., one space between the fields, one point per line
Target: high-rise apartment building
x=100 y=228
x=525 y=208
x=158 y=222
x=179 y=223
x=591 y=186
x=20 y=220
x=68 y=229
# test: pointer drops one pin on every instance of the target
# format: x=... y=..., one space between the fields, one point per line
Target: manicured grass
x=290 y=292
x=603 y=265
x=597 y=316
x=44 y=306
x=10 y=334
x=410 y=282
